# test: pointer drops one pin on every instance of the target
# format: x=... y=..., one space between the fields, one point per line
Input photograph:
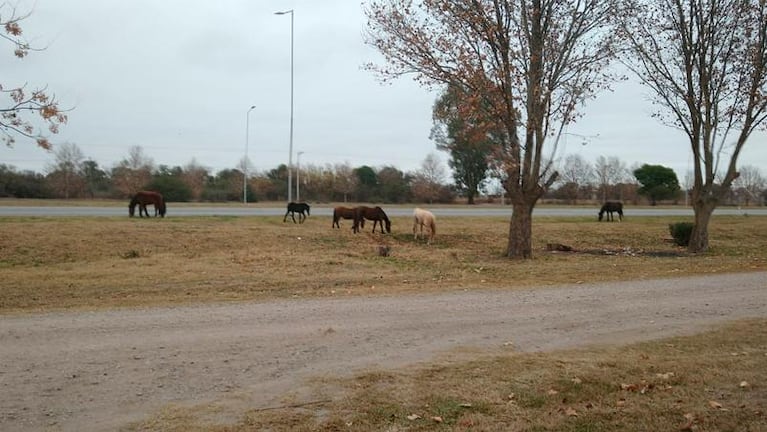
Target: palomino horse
x=143 y=199
x=609 y=207
x=344 y=213
x=299 y=208
x=376 y=214
x=423 y=217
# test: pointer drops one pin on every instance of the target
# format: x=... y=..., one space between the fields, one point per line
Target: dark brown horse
x=376 y=214
x=303 y=210
x=344 y=213
x=609 y=207
x=145 y=198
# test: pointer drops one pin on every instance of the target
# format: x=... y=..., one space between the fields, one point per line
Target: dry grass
x=79 y=262
x=709 y=382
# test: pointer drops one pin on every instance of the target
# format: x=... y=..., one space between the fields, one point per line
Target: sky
x=178 y=79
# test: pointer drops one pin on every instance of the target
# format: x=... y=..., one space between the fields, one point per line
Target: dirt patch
x=103 y=370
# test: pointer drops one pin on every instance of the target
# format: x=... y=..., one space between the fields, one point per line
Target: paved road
x=327 y=211
x=98 y=371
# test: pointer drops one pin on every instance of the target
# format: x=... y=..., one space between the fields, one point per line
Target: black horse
x=299 y=208
x=609 y=207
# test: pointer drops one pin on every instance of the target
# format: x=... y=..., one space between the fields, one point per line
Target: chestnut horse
x=423 y=217
x=344 y=213
x=145 y=198
x=376 y=214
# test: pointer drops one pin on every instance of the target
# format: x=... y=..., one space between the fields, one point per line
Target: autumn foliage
x=21 y=102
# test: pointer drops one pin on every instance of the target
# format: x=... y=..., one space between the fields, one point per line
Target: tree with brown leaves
x=22 y=101
x=705 y=62
x=524 y=65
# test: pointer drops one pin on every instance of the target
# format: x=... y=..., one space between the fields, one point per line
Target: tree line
x=73 y=176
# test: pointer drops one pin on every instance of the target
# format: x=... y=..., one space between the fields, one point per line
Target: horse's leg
x=285 y=219
x=415 y=224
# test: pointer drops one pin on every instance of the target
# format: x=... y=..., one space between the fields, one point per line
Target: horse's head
x=132 y=206
x=388 y=226
x=601 y=213
x=307 y=210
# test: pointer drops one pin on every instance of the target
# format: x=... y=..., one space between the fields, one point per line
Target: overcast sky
x=178 y=77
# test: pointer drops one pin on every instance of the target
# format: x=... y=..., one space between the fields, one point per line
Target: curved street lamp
x=290 y=154
x=245 y=161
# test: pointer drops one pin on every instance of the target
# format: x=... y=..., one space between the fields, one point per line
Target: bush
x=681 y=232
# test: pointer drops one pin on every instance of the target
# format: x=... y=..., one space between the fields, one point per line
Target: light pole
x=290 y=154
x=298 y=176
x=245 y=161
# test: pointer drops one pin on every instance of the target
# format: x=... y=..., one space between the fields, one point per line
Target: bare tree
x=133 y=172
x=195 y=176
x=345 y=181
x=576 y=172
x=609 y=172
x=525 y=65
x=705 y=62
x=750 y=184
x=65 y=175
x=428 y=180
x=13 y=121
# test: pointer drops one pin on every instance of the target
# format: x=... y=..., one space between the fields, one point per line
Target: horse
x=609 y=207
x=376 y=214
x=423 y=217
x=344 y=213
x=143 y=199
x=299 y=208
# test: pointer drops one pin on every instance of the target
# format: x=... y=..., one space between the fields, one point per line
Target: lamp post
x=298 y=176
x=290 y=154
x=245 y=161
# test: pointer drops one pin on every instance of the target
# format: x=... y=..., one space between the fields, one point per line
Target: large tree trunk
x=699 y=235
x=521 y=231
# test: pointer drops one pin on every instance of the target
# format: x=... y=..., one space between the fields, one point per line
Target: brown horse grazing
x=143 y=199
x=343 y=213
x=376 y=214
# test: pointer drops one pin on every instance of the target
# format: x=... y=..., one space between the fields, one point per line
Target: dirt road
x=101 y=370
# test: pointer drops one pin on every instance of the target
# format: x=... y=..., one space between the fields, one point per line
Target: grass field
x=86 y=262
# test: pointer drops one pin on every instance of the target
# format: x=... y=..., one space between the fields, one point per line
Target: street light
x=290 y=154
x=245 y=162
x=298 y=176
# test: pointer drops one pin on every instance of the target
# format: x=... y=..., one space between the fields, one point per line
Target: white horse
x=423 y=217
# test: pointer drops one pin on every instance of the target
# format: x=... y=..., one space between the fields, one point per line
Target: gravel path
x=97 y=371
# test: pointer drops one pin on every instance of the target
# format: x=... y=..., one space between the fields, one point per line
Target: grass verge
x=709 y=382
x=103 y=262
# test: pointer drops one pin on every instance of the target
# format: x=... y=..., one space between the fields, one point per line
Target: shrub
x=681 y=232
